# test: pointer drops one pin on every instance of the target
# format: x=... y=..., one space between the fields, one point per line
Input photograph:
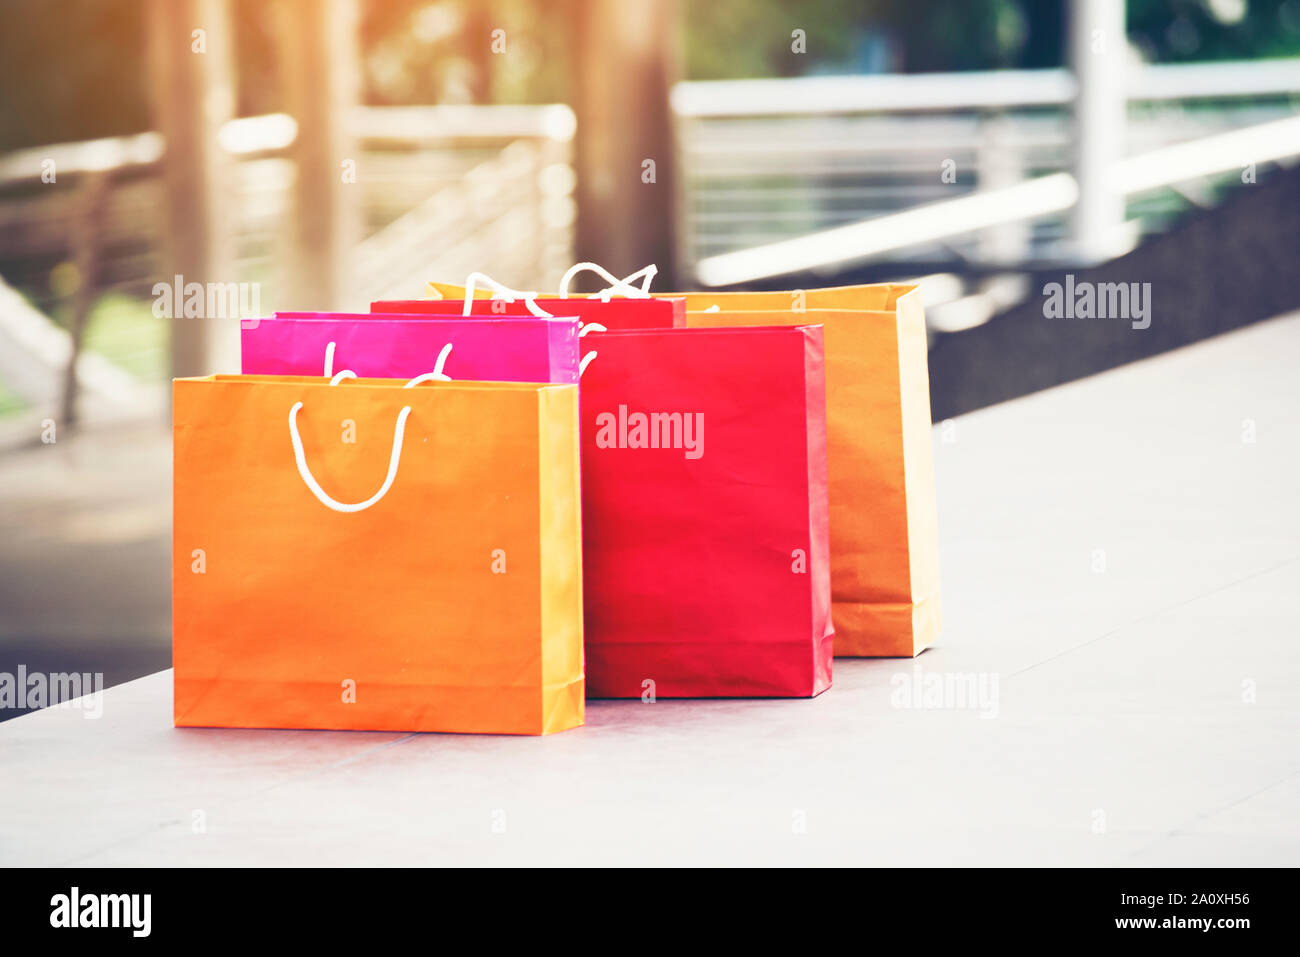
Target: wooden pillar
x=626 y=63
x=321 y=73
x=477 y=39
x=85 y=243
x=190 y=58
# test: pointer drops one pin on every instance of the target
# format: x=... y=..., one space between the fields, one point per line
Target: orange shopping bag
x=371 y=556
x=883 y=521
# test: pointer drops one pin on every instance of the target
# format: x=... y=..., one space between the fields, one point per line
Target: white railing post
x=999 y=164
x=1097 y=57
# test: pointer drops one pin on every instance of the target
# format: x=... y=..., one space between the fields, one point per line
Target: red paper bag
x=706 y=551
x=614 y=314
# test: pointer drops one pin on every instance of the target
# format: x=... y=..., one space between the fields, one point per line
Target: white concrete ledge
x=1122 y=553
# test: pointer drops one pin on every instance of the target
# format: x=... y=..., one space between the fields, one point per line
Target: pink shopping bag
x=394 y=346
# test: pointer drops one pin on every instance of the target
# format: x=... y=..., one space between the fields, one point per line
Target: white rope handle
x=623 y=286
x=582 y=331
x=645 y=274
x=300 y=458
x=399 y=431
x=500 y=291
x=437 y=372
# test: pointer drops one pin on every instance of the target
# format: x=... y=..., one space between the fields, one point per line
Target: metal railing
x=770 y=161
x=981 y=210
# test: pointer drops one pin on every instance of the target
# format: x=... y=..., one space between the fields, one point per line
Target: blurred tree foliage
x=76 y=69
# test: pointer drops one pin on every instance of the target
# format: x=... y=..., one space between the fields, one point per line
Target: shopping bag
x=497 y=350
x=614 y=313
x=705 y=542
x=883 y=518
x=368 y=556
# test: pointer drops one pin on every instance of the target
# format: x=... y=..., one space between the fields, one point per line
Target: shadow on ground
x=85 y=546
x=1217 y=270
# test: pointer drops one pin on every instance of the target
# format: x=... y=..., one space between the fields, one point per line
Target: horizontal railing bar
x=992 y=89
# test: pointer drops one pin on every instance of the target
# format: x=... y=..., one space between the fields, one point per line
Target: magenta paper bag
x=401 y=347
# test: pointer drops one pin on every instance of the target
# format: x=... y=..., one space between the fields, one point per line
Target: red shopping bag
x=612 y=314
x=706 y=557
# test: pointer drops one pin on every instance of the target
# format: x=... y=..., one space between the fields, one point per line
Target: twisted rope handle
x=399 y=432
x=622 y=286
x=304 y=471
x=500 y=291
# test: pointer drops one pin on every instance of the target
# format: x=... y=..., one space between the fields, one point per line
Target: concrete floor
x=85 y=553
x=1121 y=562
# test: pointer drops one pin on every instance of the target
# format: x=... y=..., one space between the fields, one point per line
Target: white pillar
x=1097 y=57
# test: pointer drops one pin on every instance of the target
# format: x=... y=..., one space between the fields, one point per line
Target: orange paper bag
x=366 y=556
x=883 y=523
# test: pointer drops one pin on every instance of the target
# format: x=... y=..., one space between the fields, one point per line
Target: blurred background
x=303 y=154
